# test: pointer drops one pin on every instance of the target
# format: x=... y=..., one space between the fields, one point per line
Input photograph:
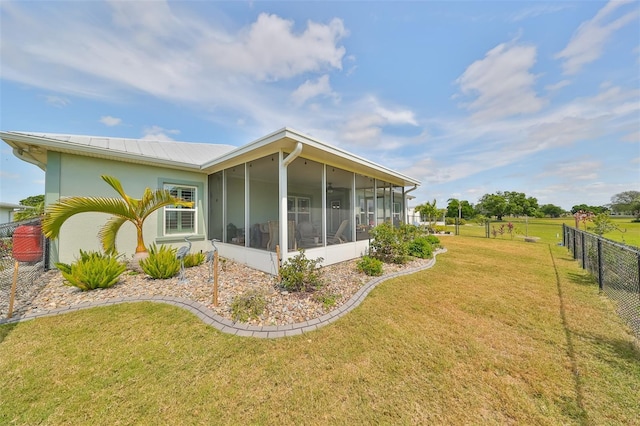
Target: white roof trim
x=27 y=146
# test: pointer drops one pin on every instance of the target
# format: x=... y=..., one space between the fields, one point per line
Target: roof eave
x=22 y=144
x=287 y=138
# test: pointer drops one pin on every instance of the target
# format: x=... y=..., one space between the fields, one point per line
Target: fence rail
x=24 y=255
x=616 y=267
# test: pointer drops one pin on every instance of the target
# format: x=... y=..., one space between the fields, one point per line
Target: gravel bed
x=340 y=282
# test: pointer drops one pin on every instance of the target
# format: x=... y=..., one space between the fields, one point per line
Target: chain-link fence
x=615 y=265
x=23 y=258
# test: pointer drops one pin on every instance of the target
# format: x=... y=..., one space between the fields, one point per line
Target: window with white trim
x=181 y=219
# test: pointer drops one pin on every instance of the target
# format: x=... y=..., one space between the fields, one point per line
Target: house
x=7 y=210
x=328 y=198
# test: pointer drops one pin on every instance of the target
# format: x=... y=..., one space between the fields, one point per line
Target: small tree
x=602 y=224
x=35 y=208
x=427 y=211
x=124 y=209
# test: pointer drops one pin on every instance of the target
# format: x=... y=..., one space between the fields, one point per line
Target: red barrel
x=27 y=243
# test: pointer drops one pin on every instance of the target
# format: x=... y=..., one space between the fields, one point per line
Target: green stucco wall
x=71 y=175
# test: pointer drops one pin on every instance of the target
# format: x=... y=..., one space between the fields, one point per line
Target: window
x=181 y=219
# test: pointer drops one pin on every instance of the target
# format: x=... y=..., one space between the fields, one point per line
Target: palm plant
x=427 y=211
x=125 y=209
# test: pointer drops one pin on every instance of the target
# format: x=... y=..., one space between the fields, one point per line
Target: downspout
x=294 y=154
x=406 y=204
x=284 y=231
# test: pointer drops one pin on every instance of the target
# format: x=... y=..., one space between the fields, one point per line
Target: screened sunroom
x=293 y=192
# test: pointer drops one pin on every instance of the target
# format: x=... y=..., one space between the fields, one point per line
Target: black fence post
x=564 y=235
x=575 y=246
x=600 y=266
x=583 y=247
x=47 y=254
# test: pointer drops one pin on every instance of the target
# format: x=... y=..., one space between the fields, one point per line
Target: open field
x=550 y=230
x=499 y=331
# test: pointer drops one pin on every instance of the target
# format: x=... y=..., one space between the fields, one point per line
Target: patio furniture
x=338 y=238
x=274 y=235
x=307 y=235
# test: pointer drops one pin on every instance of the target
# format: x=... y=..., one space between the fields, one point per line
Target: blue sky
x=468 y=97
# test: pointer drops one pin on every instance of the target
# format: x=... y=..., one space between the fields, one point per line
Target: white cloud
x=535 y=11
x=270 y=50
x=157 y=133
x=366 y=126
x=564 y=131
x=501 y=83
x=632 y=137
x=310 y=89
x=588 y=41
x=7 y=175
x=110 y=121
x=573 y=170
x=557 y=86
x=57 y=101
x=159 y=48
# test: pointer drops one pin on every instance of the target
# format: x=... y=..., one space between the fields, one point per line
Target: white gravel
x=340 y=281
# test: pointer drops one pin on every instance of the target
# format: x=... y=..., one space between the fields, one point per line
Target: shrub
x=248 y=305
x=387 y=244
x=439 y=228
x=93 y=270
x=370 y=266
x=193 y=259
x=450 y=221
x=327 y=300
x=433 y=240
x=420 y=247
x=301 y=274
x=481 y=219
x=161 y=263
x=408 y=232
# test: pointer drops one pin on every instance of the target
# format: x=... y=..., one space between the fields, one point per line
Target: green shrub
x=388 y=244
x=433 y=240
x=370 y=266
x=193 y=259
x=407 y=232
x=301 y=274
x=439 y=228
x=481 y=220
x=450 y=221
x=161 y=263
x=248 y=305
x=93 y=270
x=420 y=247
x=327 y=300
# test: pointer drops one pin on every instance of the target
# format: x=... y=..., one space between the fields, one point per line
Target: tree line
x=516 y=204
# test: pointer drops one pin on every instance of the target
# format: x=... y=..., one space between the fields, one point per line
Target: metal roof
x=32 y=147
x=209 y=158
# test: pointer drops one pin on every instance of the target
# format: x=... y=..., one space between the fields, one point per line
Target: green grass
x=497 y=332
x=550 y=230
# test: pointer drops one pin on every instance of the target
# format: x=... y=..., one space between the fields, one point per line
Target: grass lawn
x=499 y=331
x=550 y=230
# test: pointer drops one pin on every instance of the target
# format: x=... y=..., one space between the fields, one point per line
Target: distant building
x=7 y=211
